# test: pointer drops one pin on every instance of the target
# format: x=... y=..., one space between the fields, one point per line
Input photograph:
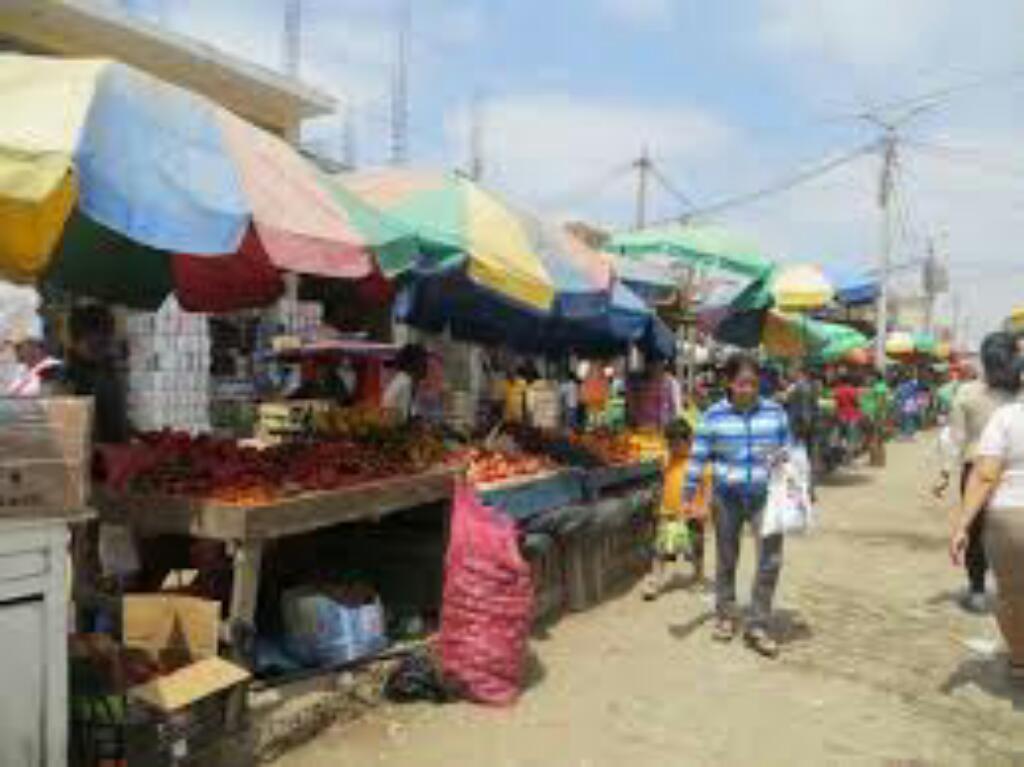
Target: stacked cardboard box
x=169 y=369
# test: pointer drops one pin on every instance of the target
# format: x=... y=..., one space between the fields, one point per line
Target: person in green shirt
x=946 y=395
x=875 y=404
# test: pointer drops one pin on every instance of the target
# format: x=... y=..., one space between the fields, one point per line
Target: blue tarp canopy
x=853 y=286
x=451 y=302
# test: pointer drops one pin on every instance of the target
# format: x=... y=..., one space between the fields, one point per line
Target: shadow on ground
x=535 y=672
x=791 y=627
x=845 y=479
x=683 y=631
x=990 y=675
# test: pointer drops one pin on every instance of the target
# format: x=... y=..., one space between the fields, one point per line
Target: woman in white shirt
x=400 y=395
x=996 y=485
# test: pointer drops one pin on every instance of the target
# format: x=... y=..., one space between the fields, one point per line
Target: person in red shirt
x=847 y=397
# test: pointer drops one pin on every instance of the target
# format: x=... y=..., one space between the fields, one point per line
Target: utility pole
x=885 y=244
x=348 y=149
x=476 y=138
x=400 y=87
x=955 y=331
x=643 y=166
x=292 y=37
x=930 y=289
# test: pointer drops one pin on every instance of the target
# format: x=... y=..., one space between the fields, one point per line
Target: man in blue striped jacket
x=740 y=436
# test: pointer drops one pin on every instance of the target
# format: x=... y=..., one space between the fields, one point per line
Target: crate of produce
x=44 y=455
x=161 y=696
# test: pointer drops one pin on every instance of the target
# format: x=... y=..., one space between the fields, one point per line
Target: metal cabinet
x=33 y=643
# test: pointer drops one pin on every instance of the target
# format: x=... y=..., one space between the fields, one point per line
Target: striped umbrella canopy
x=510 y=252
x=116 y=184
x=801 y=287
x=445 y=302
x=791 y=335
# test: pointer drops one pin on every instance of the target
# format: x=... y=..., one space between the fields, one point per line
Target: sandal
x=760 y=642
x=725 y=630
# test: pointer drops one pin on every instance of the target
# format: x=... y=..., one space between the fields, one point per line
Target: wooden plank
x=151 y=515
x=369 y=501
x=155 y=515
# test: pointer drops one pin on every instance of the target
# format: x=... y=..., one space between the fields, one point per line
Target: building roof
x=80 y=28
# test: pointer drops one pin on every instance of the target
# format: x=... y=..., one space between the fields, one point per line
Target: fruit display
x=486 y=466
x=223 y=471
x=618 y=448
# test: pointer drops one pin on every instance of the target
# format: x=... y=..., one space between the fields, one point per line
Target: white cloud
x=540 y=145
x=874 y=50
x=641 y=13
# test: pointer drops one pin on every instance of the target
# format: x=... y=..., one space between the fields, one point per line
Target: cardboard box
x=178 y=630
x=45 y=455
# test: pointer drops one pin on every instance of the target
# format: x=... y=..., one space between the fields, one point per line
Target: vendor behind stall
x=400 y=395
x=91 y=371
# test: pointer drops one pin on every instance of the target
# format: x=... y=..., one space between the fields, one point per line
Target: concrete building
x=267 y=98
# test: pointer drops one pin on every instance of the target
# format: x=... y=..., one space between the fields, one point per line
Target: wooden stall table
x=246 y=529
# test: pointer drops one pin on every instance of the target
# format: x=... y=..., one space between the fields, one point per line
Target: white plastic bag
x=788 y=508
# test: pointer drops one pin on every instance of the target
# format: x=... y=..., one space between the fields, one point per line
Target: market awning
x=853 y=287
x=506 y=250
x=800 y=287
x=451 y=302
x=95 y=152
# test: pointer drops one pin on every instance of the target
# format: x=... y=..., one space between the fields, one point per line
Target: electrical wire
x=781 y=186
x=671 y=188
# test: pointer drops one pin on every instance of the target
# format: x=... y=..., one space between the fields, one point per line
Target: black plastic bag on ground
x=417 y=679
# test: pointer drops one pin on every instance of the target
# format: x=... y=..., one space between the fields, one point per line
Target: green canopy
x=730 y=270
x=841 y=340
x=697 y=245
x=925 y=343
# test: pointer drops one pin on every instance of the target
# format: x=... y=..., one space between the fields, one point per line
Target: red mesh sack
x=488 y=604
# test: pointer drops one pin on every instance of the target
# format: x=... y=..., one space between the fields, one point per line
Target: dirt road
x=879 y=666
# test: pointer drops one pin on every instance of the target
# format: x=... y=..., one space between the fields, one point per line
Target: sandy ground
x=879 y=666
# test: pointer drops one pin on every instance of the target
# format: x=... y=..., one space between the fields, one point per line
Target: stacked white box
x=169 y=369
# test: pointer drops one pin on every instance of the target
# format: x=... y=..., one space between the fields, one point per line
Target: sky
x=729 y=96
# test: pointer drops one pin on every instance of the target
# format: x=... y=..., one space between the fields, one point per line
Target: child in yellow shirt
x=680 y=526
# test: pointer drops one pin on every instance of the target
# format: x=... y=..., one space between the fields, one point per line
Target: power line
x=781 y=186
x=671 y=188
x=911 y=106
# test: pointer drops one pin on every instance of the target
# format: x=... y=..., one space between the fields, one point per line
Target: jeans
x=975 y=560
x=733 y=510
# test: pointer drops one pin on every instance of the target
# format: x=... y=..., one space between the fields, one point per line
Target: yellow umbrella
x=899 y=343
x=943 y=350
x=1017 y=318
x=801 y=287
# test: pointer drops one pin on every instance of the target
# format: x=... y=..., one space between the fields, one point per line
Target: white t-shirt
x=1003 y=439
x=676 y=394
x=398 y=395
